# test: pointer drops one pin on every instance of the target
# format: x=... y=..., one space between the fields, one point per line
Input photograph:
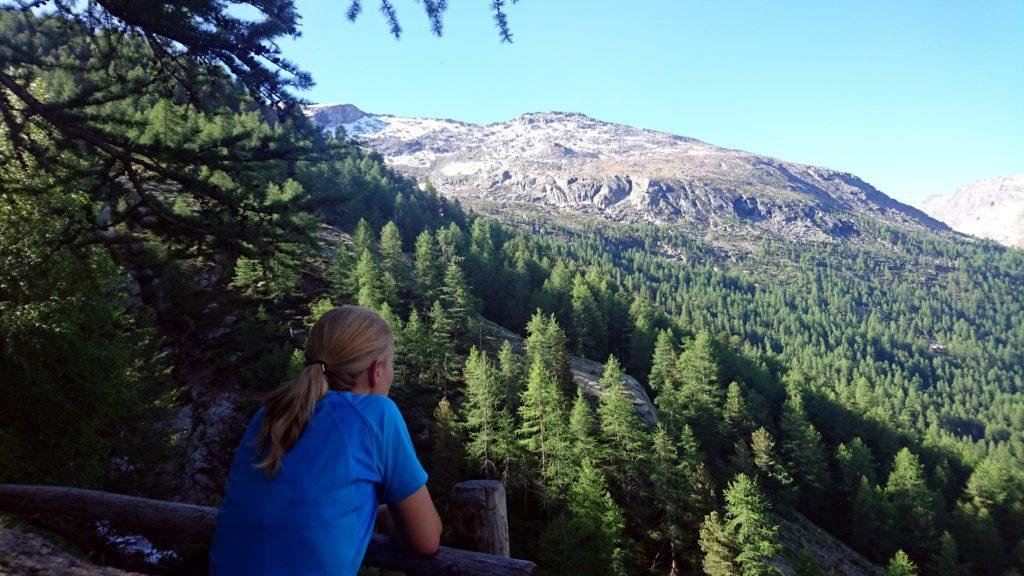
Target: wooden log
x=479 y=517
x=197 y=524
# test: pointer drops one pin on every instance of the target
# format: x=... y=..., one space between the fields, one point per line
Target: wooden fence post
x=479 y=517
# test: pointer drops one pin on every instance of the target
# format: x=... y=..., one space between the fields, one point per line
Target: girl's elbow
x=428 y=542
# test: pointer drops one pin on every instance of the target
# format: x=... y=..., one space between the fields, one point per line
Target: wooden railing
x=478 y=508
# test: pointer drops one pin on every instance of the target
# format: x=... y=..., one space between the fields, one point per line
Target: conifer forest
x=168 y=213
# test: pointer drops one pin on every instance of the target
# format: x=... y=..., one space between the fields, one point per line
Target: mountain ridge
x=573 y=161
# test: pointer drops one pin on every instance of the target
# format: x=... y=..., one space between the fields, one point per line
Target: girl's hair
x=343 y=343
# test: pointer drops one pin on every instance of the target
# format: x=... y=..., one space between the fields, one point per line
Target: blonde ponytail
x=343 y=343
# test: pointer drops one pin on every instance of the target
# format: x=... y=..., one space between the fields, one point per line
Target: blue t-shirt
x=317 y=514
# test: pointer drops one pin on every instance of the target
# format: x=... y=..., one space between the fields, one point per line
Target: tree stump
x=479 y=517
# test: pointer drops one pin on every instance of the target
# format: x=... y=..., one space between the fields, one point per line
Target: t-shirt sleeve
x=402 y=474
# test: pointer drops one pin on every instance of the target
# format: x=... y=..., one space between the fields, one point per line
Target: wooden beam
x=197 y=523
x=479 y=516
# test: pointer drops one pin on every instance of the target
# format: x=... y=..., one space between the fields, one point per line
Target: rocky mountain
x=572 y=161
x=991 y=208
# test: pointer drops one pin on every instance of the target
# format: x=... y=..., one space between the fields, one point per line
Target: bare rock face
x=575 y=162
x=986 y=208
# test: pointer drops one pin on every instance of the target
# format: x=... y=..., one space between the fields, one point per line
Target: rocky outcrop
x=574 y=162
x=991 y=209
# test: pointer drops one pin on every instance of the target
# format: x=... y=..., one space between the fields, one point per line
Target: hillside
x=991 y=209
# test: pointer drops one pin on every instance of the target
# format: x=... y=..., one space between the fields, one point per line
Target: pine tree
x=735 y=412
x=748 y=520
x=427 y=267
x=719 y=546
x=486 y=418
x=392 y=264
x=542 y=430
x=699 y=401
x=589 y=539
x=446 y=456
x=441 y=347
x=870 y=522
x=948 y=561
x=510 y=372
x=663 y=363
x=546 y=340
x=366 y=280
x=900 y=565
x=339 y=273
x=589 y=325
x=804 y=453
x=681 y=492
x=363 y=240
x=581 y=429
x=592 y=503
x=622 y=430
x=854 y=461
x=457 y=302
x=416 y=356
x=770 y=472
x=913 y=505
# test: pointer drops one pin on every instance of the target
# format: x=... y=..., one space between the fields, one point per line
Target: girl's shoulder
x=378 y=411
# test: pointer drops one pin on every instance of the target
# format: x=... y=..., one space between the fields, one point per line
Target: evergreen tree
x=457 y=302
x=719 y=546
x=681 y=492
x=363 y=240
x=803 y=450
x=446 y=455
x=486 y=418
x=542 y=430
x=900 y=565
x=769 y=471
x=734 y=411
x=427 y=267
x=339 y=273
x=870 y=522
x=589 y=329
x=366 y=280
x=392 y=264
x=700 y=397
x=663 y=363
x=581 y=429
x=854 y=462
x=622 y=430
x=413 y=364
x=441 y=347
x=913 y=505
x=948 y=561
x=589 y=539
x=546 y=340
x=510 y=373
x=748 y=519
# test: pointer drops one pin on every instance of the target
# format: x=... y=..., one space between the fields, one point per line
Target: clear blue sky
x=916 y=97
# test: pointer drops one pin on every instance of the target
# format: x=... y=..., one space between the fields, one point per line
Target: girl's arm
x=416 y=525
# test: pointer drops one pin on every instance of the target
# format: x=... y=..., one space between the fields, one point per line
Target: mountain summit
x=992 y=208
x=571 y=161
